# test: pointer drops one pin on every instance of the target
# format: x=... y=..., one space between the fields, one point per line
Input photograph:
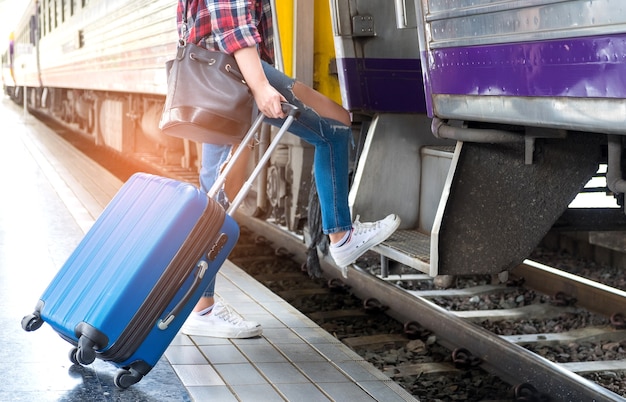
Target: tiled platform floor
x=51 y=194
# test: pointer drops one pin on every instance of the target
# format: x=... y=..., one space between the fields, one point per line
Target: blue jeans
x=213 y=157
x=331 y=140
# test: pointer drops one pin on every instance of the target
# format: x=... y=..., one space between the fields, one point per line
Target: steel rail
x=508 y=361
x=591 y=295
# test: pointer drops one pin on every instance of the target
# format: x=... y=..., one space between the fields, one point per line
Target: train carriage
x=100 y=66
x=19 y=60
x=8 y=80
x=536 y=85
x=477 y=122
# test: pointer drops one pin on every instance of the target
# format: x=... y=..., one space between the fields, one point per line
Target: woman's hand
x=267 y=98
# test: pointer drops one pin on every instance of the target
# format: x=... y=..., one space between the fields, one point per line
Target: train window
x=40 y=15
x=41 y=19
x=44 y=17
x=33 y=29
x=49 y=17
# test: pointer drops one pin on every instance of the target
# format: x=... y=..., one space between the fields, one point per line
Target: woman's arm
x=267 y=98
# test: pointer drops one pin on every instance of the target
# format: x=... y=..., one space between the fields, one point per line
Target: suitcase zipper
x=179 y=269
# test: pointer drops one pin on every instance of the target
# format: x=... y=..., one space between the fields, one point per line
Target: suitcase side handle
x=202 y=266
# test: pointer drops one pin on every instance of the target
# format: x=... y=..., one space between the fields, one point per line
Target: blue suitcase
x=128 y=287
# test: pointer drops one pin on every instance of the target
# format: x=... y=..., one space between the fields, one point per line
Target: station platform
x=51 y=195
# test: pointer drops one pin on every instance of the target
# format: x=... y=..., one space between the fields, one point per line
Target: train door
x=378 y=63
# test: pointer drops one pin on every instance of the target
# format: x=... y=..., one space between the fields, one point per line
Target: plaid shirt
x=229 y=25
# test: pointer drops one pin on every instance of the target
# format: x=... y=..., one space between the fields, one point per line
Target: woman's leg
x=238 y=174
x=324 y=106
x=331 y=139
x=326 y=125
x=208 y=317
x=213 y=157
x=212 y=160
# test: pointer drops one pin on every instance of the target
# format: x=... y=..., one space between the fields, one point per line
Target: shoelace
x=359 y=227
x=228 y=315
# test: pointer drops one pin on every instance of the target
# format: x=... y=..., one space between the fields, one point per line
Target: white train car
x=100 y=65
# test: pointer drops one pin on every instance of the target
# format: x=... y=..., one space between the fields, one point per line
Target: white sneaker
x=363 y=237
x=221 y=322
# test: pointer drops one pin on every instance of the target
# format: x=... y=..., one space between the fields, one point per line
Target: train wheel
x=91 y=120
x=66 y=111
x=18 y=95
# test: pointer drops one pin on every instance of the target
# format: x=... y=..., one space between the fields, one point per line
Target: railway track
x=533 y=364
x=507 y=357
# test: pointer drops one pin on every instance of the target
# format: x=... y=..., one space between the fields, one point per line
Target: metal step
x=408 y=247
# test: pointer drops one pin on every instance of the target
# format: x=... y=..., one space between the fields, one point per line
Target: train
x=478 y=122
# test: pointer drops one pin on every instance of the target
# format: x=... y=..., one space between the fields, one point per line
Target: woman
x=244 y=29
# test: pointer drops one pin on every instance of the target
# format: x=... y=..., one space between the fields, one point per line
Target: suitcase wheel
x=72 y=356
x=125 y=378
x=82 y=356
x=31 y=322
x=84 y=353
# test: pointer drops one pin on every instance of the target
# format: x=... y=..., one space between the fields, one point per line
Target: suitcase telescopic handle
x=293 y=112
x=197 y=280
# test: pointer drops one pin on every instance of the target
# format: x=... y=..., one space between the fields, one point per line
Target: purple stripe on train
x=383 y=85
x=574 y=67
